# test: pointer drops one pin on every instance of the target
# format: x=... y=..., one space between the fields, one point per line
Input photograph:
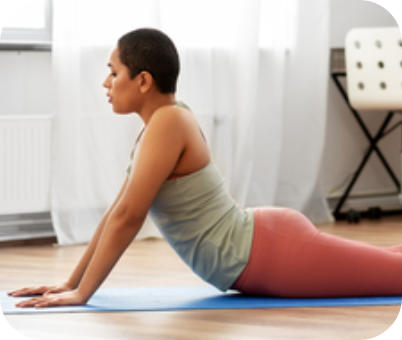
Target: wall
x=25 y=83
x=25 y=88
x=346 y=14
x=345 y=142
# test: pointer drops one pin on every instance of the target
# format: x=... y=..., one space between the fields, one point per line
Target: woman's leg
x=291 y=258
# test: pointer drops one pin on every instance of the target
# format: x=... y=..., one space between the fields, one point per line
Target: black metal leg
x=362 y=165
x=373 y=146
x=365 y=130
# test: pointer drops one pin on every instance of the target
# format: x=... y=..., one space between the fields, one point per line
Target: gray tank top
x=204 y=225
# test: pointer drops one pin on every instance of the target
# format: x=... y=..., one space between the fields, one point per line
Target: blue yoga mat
x=184 y=298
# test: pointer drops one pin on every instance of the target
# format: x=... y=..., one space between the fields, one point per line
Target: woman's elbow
x=129 y=217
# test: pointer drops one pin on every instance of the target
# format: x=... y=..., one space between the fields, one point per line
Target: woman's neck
x=154 y=103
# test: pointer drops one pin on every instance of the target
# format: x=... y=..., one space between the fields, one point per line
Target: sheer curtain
x=253 y=72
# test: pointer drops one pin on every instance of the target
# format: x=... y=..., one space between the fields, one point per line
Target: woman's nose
x=106 y=82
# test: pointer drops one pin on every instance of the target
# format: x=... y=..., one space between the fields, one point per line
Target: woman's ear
x=146 y=81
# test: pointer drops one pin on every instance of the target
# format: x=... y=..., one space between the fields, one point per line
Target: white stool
x=374 y=68
x=374 y=82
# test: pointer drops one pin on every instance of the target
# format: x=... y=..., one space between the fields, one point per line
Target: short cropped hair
x=148 y=49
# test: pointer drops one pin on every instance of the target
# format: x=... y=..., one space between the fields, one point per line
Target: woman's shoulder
x=177 y=108
x=177 y=115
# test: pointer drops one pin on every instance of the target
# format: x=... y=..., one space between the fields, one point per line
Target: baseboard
x=26 y=227
x=386 y=202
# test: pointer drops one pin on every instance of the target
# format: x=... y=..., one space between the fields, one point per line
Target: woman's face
x=123 y=92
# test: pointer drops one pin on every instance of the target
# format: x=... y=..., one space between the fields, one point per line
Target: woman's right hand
x=42 y=290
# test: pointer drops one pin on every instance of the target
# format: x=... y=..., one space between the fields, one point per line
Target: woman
x=267 y=251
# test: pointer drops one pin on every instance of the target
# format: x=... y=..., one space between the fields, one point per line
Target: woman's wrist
x=84 y=297
x=70 y=284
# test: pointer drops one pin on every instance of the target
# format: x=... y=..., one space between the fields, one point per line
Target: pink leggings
x=291 y=258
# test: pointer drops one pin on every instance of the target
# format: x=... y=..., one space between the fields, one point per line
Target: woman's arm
x=75 y=277
x=79 y=270
x=115 y=238
x=163 y=143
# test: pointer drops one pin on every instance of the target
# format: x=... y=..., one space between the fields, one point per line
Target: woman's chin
x=120 y=112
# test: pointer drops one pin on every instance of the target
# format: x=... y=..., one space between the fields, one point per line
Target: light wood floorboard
x=153 y=263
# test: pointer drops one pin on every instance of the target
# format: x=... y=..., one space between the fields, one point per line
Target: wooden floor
x=153 y=263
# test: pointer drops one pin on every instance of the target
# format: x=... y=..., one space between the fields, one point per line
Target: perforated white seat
x=374 y=68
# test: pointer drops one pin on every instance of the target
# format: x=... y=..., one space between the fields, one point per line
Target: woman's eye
x=113 y=74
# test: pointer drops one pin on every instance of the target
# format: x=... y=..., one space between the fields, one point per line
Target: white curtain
x=304 y=114
x=254 y=72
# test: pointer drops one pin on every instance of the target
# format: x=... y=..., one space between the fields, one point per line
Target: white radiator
x=24 y=164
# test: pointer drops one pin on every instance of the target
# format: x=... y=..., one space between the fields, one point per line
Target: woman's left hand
x=59 y=299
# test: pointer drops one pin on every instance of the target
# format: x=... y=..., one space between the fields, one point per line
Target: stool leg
x=338 y=84
x=373 y=146
x=373 y=142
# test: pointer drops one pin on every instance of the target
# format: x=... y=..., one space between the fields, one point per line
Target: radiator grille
x=24 y=164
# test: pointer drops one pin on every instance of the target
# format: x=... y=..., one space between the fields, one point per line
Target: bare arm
x=162 y=145
x=115 y=238
x=79 y=270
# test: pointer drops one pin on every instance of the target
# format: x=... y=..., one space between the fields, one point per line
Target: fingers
x=21 y=292
x=28 y=291
x=53 y=291
x=66 y=298
x=48 y=303
x=44 y=303
x=42 y=290
x=38 y=302
x=29 y=303
x=16 y=292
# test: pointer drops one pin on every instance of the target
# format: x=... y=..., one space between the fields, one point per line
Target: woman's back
x=196 y=153
x=196 y=214
x=204 y=225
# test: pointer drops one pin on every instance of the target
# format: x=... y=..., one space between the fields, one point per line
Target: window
x=25 y=21
x=226 y=19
